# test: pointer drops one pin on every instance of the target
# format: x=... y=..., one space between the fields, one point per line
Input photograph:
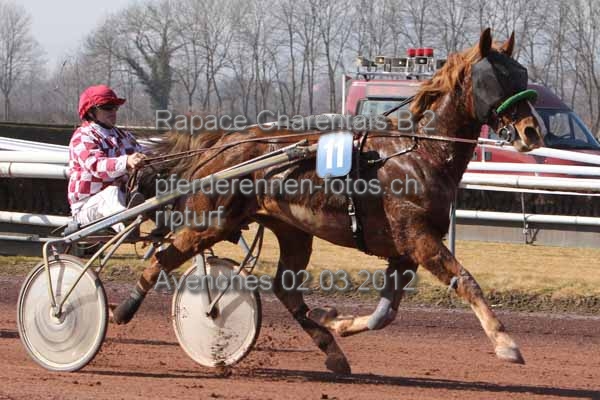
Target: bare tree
x=372 y=29
x=452 y=23
x=523 y=17
x=102 y=46
x=543 y=46
x=190 y=60
x=487 y=14
x=414 y=23
x=240 y=57
x=29 y=102
x=289 y=68
x=216 y=39
x=18 y=50
x=585 y=41
x=255 y=41
x=335 y=26
x=148 y=40
x=310 y=42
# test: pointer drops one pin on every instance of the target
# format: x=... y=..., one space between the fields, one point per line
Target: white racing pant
x=109 y=201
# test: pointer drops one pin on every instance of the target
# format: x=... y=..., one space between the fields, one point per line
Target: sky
x=60 y=26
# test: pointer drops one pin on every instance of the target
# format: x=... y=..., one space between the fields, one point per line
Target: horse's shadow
x=271 y=374
x=425 y=383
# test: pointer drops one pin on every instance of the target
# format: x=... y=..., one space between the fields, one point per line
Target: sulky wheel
x=228 y=334
x=70 y=341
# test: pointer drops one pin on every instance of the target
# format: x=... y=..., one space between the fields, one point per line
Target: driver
x=100 y=158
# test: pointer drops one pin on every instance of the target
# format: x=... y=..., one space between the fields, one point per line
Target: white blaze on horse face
x=538 y=119
x=530 y=129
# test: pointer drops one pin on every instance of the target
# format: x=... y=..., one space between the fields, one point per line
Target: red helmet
x=97 y=96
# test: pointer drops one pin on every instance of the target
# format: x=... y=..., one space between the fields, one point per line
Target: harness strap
x=353 y=213
x=428 y=137
x=398 y=153
x=356 y=226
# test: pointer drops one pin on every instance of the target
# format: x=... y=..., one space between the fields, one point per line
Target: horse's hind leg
x=436 y=258
x=385 y=312
x=187 y=243
x=295 y=248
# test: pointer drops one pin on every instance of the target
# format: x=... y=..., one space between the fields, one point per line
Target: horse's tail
x=172 y=143
x=177 y=142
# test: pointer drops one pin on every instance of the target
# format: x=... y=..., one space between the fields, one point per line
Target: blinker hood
x=495 y=78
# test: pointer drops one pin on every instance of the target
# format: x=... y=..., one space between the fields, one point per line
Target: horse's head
x=483 y=85
x=500 y=95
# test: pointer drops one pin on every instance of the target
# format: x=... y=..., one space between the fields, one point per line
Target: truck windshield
x=566 y=131
x=377 y=107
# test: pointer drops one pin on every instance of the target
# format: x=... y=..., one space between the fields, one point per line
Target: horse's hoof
x=125 y=311
x=510 y=354
x=338 y=364
x=322 y=315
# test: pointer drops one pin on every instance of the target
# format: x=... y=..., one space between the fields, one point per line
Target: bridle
x=508 y=132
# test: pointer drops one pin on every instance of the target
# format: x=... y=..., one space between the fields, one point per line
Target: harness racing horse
x=482 y=85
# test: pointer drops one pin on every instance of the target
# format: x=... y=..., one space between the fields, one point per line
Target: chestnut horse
x=406 y=230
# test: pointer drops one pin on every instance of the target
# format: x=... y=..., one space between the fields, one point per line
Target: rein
x=152 y=161
x=507 y=131
x=399 y=106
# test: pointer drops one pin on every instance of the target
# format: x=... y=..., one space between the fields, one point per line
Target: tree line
x=243 y=56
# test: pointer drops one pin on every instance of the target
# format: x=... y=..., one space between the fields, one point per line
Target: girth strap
x=353 y=211
x=356 y=226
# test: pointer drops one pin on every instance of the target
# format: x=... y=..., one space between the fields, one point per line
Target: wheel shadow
x=271 y=349
x=154 y=375
x=141 y=342
x=9 y=334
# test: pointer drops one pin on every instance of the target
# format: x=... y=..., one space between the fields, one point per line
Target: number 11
x=339 y=156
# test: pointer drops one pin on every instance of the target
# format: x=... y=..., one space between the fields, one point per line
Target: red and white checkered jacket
x=97 y=159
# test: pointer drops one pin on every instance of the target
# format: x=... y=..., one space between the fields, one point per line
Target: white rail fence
x=25 y=159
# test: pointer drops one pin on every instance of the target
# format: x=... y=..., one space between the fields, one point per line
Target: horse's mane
x=445 y=80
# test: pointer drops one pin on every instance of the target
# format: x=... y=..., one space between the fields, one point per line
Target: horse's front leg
x=396 y=281
x=436 y=258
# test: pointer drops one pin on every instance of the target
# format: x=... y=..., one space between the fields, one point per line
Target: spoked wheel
x=228 y=334
x=70 y=341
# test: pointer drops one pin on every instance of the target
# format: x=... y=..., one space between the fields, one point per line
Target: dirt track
x=426 y=353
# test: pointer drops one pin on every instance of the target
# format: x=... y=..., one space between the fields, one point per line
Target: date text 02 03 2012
x=302 y=281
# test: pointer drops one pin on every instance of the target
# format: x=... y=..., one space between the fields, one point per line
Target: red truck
x=379 y=85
